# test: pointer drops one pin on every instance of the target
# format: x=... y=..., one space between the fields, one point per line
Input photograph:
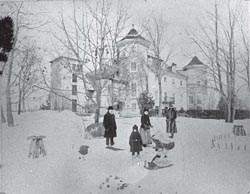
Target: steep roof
x=133 y=34
x=194 y=62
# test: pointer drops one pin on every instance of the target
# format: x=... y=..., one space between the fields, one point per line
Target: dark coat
x=135 y=142
x=170 y=119
x=109 y=125
x=145 y=122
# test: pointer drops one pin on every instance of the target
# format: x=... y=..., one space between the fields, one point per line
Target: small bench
x=36 y=147
x=239 y=130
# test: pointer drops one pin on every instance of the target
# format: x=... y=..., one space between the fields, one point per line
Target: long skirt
x=145 y=136
x=171 y=126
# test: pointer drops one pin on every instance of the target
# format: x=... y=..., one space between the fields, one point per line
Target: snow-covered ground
x=197 y=167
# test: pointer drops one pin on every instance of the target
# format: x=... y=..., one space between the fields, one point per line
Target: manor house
x=185 y=88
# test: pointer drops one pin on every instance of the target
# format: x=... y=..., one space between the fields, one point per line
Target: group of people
x=138 y=138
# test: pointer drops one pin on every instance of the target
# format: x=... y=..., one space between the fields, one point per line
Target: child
x=135 y=141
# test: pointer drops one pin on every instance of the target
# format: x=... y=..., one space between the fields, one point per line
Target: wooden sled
x=114 y=148
x=153 y=166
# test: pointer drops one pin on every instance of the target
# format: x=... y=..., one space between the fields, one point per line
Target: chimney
x=174 y=66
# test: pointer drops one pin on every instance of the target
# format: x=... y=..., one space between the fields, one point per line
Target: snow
x=197 y=168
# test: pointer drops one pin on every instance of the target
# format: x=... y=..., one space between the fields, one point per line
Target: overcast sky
x=182 y=16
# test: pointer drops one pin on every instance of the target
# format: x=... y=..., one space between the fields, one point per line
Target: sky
x=182 y=16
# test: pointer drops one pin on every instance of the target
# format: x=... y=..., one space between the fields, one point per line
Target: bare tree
x=156 y=30
x=21 y=24
x=217 y=43
x=244 y=73
x=27 y=75
x=93 y=43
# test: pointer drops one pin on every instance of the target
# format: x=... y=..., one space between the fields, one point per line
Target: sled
x=114 y=148
x=153 y=166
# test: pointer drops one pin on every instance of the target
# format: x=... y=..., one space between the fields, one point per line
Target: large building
x=131 y=75
x=66 y=84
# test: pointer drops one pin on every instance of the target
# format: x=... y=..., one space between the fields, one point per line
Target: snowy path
x=197 y=168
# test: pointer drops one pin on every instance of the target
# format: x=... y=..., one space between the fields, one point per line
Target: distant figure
x=170 y=121
x=145 y=129
x=110 y=126
x=135 y=141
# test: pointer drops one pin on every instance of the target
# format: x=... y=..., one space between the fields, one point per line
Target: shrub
x=94 y=130
x=145 y=100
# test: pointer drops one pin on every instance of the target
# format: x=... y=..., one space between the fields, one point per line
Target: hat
x=110 y=108
x=135 y=127
x=145 y=109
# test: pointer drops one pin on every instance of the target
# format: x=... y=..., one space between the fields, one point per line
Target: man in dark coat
x=110 y=126
x=135 y=141
x=170 y=119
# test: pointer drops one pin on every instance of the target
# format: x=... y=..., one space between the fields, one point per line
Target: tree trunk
x=19 y=102
x=19 y=96
x=10 y=118
x=23 y=101
x=146 y=76
x=232 y=110
x=160 y=97
x=3 y=120
x=23 y=97
x=98 y=105
x=228 y=116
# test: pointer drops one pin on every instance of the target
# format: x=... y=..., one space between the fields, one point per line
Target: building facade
x=66 y=84
x=128 y=77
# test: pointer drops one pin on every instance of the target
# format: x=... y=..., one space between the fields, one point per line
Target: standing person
x=145 y=128
x=110 y=126
x=170 y=120
x=135 y=141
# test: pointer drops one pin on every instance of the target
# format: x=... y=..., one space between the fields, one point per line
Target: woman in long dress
x=145 y=129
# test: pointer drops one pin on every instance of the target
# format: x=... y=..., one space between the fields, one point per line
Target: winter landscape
x=77 y=74
x=197 y=168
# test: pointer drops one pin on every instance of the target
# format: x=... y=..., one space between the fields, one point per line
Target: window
x=133 y=67
x=165 y=97
x=191 y=99
x=74 y=89
x=181 y=98
x=74 y=77
x=74 y=105
x=199 y=100
x=79 y=68
x=156 y=94
x=181 y=83
x=133 y=89
x=133 y=107
x=173 y=81
x=123 y=52
x=165 y=79
x=173 y=98
x=73 y=67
